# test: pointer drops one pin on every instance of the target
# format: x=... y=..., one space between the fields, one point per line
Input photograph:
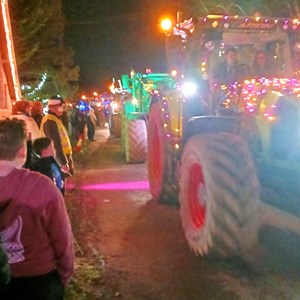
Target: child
x=46 y=163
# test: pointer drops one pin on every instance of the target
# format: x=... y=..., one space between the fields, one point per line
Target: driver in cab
x=230 y=70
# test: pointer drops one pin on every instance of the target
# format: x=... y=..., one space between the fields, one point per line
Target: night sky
x=109 y=37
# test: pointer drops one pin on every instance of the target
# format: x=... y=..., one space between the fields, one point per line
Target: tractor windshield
x=254 y=54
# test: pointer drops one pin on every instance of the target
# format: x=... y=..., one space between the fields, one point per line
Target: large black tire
x=135 y=141
x=219 y=195
x=159 y=172
x=115 y=125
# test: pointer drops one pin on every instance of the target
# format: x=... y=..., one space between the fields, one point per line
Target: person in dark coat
x=45 y=162
x=37 y=112
x=91 y=124
x=230 y=70
x=78 y=121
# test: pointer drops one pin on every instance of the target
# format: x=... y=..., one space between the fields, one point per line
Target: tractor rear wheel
x=136 y=141
x=158 y=153
x=115 y=125
x=219 y=194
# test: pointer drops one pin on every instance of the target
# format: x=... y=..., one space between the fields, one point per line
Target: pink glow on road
x=134 y=185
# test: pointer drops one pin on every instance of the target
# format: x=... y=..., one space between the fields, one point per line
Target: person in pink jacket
x=34 y=224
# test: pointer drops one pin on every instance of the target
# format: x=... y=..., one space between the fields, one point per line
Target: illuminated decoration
x=215 y=24
x=248 y=95
x=82 y=106
x=25 y=87
x=226 y=25
x=185 y=28
x=10 y=48
x=203 y=67
x=189 y=88
x=167 y=126
x=112 y=88
x=174 y=73
x=166 y=24
x=114 y=105
x=38 y=87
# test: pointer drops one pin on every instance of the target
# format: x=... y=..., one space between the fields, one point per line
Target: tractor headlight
x=189 y=89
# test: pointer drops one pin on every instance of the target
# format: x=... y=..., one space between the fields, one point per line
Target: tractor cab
x=262 y=52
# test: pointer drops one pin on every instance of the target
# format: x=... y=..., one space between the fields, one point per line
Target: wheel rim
x=196 y=195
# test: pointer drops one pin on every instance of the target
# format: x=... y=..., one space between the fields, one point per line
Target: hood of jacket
x=18 y=184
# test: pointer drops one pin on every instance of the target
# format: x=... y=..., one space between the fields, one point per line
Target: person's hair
x=37 y=107
x=12 y=137
x=230 y=49
x=255 y=64
x=258 y=53
x=20 y=106
x=41 y=144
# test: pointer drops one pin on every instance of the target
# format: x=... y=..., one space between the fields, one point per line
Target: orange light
x=112 y=88
x=83 y=97
x=166 y=24
x=174 y=73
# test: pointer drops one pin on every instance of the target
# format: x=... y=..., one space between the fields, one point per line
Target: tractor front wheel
x=219 y=194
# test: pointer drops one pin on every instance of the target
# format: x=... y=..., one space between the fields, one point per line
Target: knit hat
x=55 y=100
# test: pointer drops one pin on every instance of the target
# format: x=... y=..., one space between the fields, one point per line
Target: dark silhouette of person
x=37 y=112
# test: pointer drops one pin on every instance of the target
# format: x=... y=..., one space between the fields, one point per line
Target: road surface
x=140 y=247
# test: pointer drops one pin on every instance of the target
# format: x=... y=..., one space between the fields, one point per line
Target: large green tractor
x=215 y=147
x=137 y=90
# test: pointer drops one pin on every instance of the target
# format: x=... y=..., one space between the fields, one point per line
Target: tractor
x=132 y=118
x=214 y=147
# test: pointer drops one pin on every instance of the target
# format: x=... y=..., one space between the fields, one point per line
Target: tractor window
x=274 y=45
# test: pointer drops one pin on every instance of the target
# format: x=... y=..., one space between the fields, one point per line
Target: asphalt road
x=141 y=244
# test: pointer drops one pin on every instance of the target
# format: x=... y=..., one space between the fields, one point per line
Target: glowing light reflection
x=120 y=186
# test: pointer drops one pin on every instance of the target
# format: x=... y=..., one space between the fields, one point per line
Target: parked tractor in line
x=214 y=147
x=132 y=118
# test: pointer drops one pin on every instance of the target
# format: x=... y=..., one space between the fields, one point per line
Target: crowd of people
x=36 y=242
x=35 y=229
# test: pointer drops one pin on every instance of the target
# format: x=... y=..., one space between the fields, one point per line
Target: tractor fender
x=204 y=124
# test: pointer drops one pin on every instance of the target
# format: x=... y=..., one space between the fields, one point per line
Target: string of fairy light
x=38 y=87
x=252 y=91
x=10 y=48
x=218 y=21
